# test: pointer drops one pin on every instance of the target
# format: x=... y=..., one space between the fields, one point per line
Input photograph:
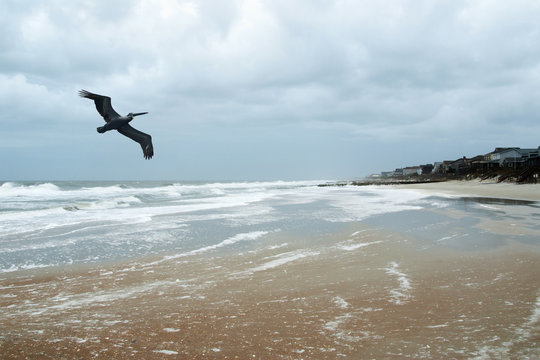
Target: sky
x=264 y=89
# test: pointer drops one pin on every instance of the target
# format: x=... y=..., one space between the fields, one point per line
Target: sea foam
x=402 y=293
x=62 y=222
x=230 y=241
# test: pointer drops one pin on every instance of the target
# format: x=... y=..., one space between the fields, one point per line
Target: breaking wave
x=62 y=222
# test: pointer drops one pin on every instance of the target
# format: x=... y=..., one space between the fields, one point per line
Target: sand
x=364 y=293
x=481 y=188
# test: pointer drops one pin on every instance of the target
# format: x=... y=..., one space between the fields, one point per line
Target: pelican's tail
x=101 y=129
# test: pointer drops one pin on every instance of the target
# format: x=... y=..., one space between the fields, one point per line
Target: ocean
x=279 y=269
x=47 y=224
x=44 y=224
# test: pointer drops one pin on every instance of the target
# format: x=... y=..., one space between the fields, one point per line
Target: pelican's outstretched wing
x=143 y=139
x=103 y=104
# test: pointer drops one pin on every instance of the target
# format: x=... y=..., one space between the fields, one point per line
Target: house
x=412 y=170
x=387 y=174
x=438 y=167
x=530 y=157
x=513 y=157
x=534 y=159
x=476 y=163
x=501 y=157
x=457 y=165
x=512 y=162
x=426 y=169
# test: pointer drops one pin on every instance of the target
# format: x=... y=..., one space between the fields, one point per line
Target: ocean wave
x=85 y=220
x=120 y=202
x=124 y=210
x=67 y=191
x=62 y=192
x=11 y=189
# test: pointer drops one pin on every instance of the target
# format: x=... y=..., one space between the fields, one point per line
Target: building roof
x=528 y=152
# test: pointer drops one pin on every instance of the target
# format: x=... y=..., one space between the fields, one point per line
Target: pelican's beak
x=137 y=114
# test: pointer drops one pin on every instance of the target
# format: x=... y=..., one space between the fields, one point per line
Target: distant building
x=458 y=165
x=513 y=157
x=438 y=167
x=426 y=169
x=446 y=166
x=412 y=170
x=530 y=157
x=475 y=163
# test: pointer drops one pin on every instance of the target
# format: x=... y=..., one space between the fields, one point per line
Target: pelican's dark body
x=114 y=124
x=114 y=121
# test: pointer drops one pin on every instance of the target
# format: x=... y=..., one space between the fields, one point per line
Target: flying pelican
x=114 y=121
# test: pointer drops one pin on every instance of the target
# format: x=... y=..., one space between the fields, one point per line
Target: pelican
x=114 y=121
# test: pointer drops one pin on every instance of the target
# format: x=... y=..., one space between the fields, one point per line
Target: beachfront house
x=412 y=170
x=388 y=174
x=426 y=169
x=531 y=157
x=498 y=157
x=501 y=157
x=512 y=157
x=457 y=165
x=476 y=163
x=438 y=167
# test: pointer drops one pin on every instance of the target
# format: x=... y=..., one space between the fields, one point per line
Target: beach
x=488 y=188
x=287 y=271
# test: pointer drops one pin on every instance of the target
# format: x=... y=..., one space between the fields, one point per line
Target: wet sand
x=363 y=293
x=492 y=189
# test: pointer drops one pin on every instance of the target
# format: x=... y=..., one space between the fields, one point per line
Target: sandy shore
x=481 y=188
x=363 y=293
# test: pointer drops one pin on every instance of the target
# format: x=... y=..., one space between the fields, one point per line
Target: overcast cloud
x=271 y=89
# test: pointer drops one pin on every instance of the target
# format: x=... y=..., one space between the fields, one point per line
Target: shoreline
x=469 y=188
x=526 y=192
x=366 y=292
x=407 y=283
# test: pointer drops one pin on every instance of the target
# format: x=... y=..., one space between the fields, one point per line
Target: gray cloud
x=335 y=88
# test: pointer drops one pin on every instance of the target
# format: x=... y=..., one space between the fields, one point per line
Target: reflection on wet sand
x=387 y=299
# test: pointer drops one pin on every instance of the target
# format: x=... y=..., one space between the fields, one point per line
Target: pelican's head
x=132 y=115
